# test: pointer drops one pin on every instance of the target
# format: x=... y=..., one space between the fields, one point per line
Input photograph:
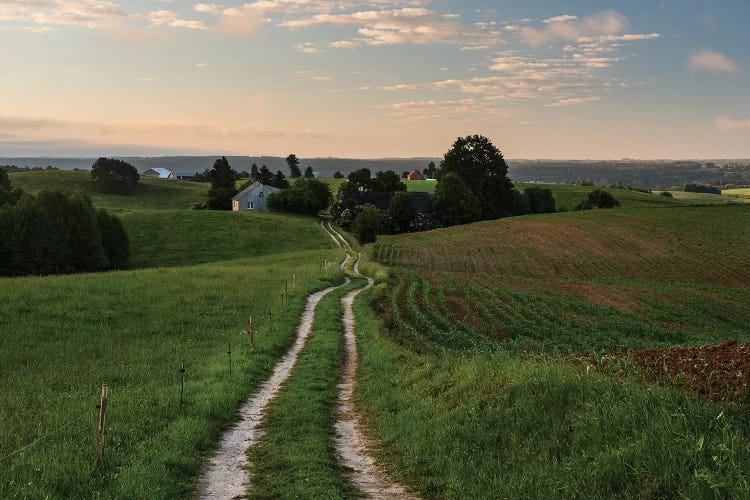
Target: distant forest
x=642 y=174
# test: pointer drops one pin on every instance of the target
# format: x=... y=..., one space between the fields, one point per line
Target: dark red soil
x=716 y=373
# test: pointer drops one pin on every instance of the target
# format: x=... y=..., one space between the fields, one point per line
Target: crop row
x=456 y=311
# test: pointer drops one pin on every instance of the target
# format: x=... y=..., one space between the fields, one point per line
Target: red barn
x=415 y=175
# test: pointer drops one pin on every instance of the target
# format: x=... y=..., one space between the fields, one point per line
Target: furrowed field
x=489 y=328
x=201 y=275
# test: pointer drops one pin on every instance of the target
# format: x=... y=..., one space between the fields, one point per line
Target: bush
x=114 y=239
x=541 y=201
x=598 y=199
x=369 y=224
x=666 y=194
x=306 y=196
x=114 y=176
x=58 y=233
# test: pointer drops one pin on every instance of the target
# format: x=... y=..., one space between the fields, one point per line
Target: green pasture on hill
x=151 y=193
x=178 y=237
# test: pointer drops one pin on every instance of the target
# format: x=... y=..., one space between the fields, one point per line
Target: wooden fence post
x=102 y=418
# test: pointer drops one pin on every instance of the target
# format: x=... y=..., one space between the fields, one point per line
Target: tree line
x=57 y=233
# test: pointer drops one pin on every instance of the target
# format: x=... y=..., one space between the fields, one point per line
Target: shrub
x=114 y=176
x=700 y=188
x=541 y=201
x=598 y=199
x=666 y=194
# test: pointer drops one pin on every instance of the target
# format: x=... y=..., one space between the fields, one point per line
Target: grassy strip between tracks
x=297 y=459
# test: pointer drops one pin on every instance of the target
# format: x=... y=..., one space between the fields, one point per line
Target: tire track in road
x=352 y=446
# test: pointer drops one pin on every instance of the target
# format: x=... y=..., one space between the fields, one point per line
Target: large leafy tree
x=222 y=178
x=484 y=171
x=402 y=212
x=359 y=180
x=293 y=162
x=387 y=181
x=114 y=176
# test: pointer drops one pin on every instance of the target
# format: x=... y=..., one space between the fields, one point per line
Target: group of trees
x=294 y=171
x=306 y=196
x=700 y=188
x=114 y=176
x=384 y=182
x=57 y=233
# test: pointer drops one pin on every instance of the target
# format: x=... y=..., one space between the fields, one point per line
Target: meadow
x=151 y=193
x=200 y=275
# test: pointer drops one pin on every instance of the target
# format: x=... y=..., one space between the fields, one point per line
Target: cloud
x=407 y=25
x=307 y=48
x=574 y=101
x=571 y=28
x=439 y=110
x=714 y=62
x=727 y=123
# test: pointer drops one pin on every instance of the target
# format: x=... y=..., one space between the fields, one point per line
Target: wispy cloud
x=712 y=61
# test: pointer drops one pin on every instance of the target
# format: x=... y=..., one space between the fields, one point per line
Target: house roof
x=164 y=173
x=252 y=187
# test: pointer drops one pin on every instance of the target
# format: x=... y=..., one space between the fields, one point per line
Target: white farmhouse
x=253 y=197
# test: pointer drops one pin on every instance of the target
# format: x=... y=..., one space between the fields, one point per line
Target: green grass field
x=707 y=198
x=64 y=336
x=150 y=194
x=177 y=237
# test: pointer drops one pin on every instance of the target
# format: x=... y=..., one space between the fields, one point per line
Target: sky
x=574 y=79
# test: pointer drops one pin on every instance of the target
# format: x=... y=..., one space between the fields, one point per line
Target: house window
x=250 y=204
x=260 y=195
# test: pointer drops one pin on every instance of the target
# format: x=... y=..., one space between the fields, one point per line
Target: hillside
x=534 y=357
x=150 y=194
x=177 y=238
x=612 y=279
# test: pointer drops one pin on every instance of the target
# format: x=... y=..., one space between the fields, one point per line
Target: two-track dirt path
x=226 y=476
x=352 y=447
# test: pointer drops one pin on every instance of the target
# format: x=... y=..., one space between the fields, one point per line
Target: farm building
x=415 y=175
x=161 y=173
x=253 y=197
